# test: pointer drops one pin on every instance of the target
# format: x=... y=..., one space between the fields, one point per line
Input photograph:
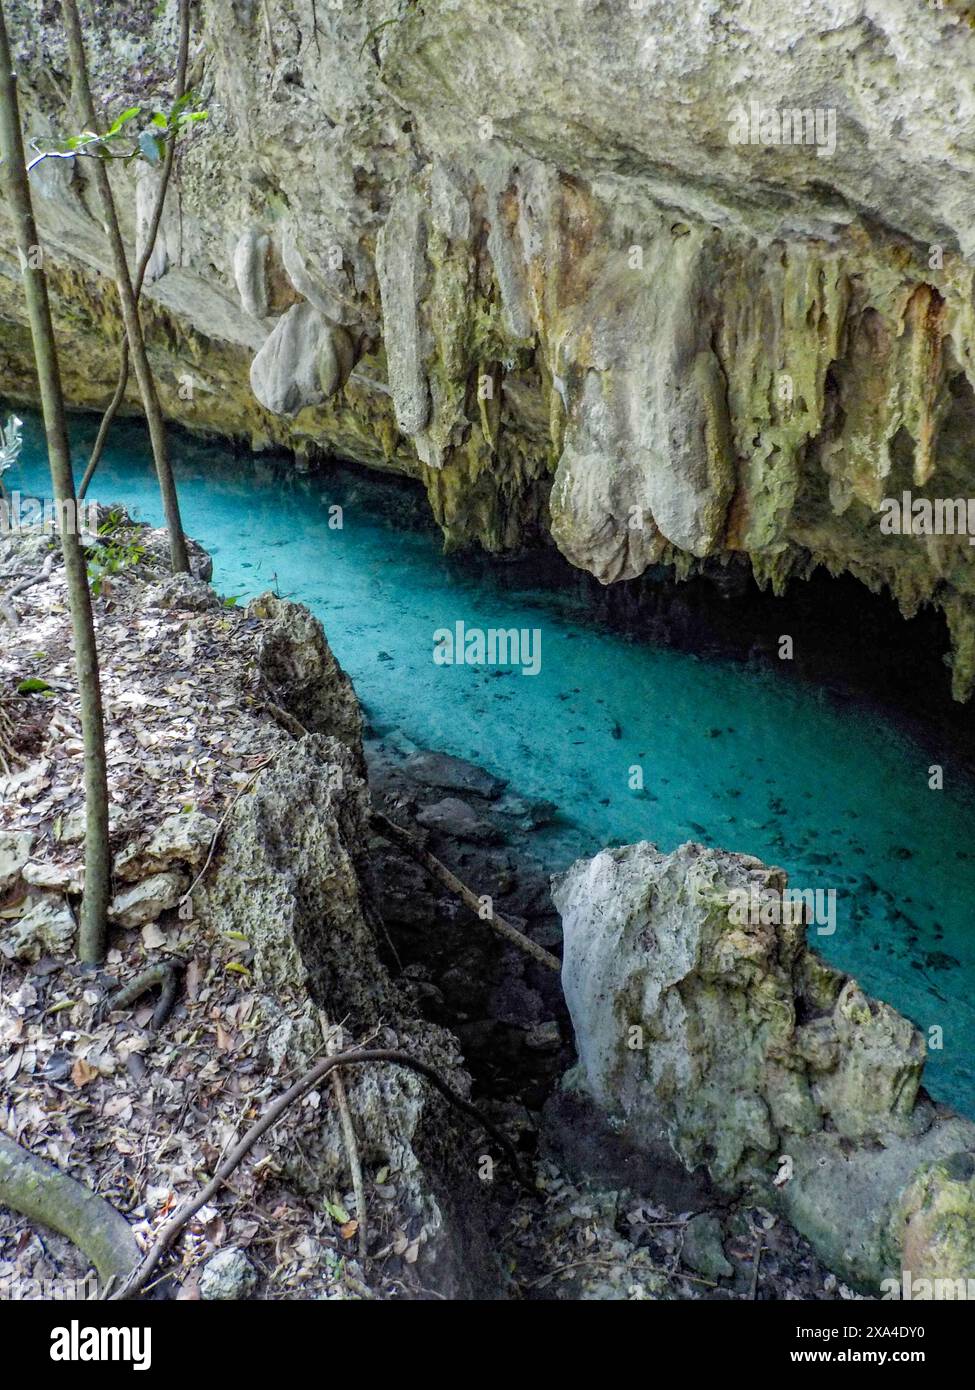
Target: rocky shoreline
x=244 y=789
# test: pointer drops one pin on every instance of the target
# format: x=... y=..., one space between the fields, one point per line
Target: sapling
x=94 y=905
x=133 y=135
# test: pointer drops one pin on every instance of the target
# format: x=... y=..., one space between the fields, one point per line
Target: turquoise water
x=731 y=756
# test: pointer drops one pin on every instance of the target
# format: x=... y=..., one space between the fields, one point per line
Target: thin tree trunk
x=130 y=309
x=169 y=158
x=91 y=942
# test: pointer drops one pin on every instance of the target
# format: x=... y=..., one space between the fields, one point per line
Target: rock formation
x=273 y=865
x=730 y=1044
x=667 y=284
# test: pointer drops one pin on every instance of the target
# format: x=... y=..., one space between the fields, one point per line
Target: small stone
x=61 y=878
x=47 y=927
x=73 y=827
x=148 y=900
x=544 y=1037
x=703 y=1249
x=228 y=1275
x=530 y=815
x=14 y=853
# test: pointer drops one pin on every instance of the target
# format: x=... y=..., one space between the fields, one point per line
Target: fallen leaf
x=82 y=1072
x=152 y=937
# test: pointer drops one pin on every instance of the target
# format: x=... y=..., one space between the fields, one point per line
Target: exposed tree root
x=333 y=1045
x=139 y=1277
x=43 y=1193
x=165 y=974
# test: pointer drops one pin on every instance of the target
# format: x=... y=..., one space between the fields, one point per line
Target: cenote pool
x=731 y=756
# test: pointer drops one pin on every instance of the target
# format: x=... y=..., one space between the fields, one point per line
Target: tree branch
x=398 y=836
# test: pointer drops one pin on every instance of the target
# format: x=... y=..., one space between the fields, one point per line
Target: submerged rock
x=453 y=774
x=721 y=1039
x=455 y=817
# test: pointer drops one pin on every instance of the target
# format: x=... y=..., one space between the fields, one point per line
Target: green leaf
x=33 y=685
x=159 y=120
x=122 y=120
x=337 y=1212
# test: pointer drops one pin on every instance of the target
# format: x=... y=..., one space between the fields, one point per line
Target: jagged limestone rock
x=250 y=272
x=647 y=444
x=934 y=1224
x=61 y=878
x=868 y=1082
x=45 y=927
x=286 y=880
x=305 y=678
x=286 y=374
x=181 y=839
x=182 y=591
x=402 y=272
x=148 y=899
x=718 y=1036
x=146 y=191
x=14 y=853
x=738 y=343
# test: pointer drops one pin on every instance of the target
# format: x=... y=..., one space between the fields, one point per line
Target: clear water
x=731 y=756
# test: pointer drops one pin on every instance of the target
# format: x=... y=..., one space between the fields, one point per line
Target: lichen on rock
x=720 y=1037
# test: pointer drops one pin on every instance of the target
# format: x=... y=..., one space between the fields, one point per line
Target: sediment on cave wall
x=549 y=284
